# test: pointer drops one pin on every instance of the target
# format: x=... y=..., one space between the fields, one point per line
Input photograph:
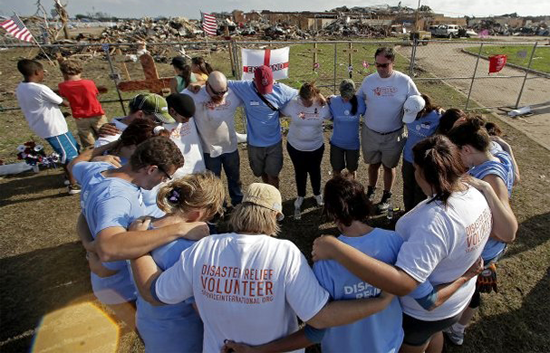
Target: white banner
x=277 y=59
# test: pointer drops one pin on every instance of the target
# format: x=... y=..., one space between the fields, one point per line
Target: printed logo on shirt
x=385 y=91
x=309 y=116
x=236 y=285
x=181 y=130
x=226 y=104
x=479 y=230
x=254 y=103
x=362 y=290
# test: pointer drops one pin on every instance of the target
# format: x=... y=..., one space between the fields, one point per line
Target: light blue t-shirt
x=169 y=328
x=345 y=133
x=381 y=332
x=114 y=289
x=113 y=202
x=505 y=171
x=419 y=130
x=263 y=124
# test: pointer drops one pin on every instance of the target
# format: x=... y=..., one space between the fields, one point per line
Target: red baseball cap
x=263 y=78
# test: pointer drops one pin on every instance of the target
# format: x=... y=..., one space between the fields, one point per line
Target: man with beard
x=214 y=117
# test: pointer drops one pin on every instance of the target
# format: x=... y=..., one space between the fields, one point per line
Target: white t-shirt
x=384 y=98
x=248 y=288
x=40 y=105
x=187 y=139
x=102 y=141
x=306 y=127
x=216 y=123
x=441 y=243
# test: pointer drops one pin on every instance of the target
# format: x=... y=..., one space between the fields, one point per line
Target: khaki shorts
x=382 y=148
x=266 y=160
x=88 y=129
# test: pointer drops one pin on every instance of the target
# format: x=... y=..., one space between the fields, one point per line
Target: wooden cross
x=350 y=52
x=152 y=82
x=315 y=50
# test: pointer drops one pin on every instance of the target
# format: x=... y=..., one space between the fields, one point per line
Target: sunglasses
x=382 y=65
x=216 y=93
x=164 y=172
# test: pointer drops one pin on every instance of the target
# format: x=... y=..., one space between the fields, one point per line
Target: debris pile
x=346 y=27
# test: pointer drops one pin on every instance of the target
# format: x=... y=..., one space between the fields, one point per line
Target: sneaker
x=74 y=189
x=319 y=199
x=370 y=193
x=298 y=202
x=297 y=208
x=383 y=206
x=455 y=336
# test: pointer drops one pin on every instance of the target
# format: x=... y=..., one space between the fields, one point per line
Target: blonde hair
x=249 y=218
x=191 y=192
x=70 y=67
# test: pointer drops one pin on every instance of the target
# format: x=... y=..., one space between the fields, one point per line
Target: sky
x=189 y=9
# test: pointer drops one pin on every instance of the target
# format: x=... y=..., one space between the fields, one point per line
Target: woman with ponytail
x=178 y=328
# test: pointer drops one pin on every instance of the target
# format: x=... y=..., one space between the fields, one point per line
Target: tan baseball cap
x=265 y=195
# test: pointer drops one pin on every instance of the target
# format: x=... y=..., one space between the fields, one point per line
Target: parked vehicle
x=447 y=31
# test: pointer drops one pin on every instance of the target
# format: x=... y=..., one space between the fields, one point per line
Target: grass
x=43 y=269
x=518 y=55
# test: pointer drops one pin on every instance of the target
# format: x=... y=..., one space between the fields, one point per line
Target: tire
x=451 y=36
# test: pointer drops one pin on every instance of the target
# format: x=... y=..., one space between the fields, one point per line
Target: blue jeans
x=231 y=165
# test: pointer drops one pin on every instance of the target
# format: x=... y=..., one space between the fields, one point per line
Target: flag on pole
x=209 y=24
x=277 y=59
x=16 y=28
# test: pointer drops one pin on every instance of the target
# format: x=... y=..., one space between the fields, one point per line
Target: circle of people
x=370 y=289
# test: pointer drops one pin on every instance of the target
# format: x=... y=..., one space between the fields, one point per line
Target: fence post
x=473 y=77
x=230 y=50
x=526 y=74
x=335 y=64
x=114 y=76
x=413 y=57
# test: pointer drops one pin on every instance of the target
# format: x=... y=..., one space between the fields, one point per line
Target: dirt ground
x=45 y=295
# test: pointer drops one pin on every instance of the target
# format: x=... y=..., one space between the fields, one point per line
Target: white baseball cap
x=413 y=105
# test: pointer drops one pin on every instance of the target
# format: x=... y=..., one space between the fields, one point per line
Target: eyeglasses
x=382 y=65
x=164 y=172
x=216 y=93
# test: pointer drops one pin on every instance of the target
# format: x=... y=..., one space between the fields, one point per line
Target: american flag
x=209 y=24
x=16 y=28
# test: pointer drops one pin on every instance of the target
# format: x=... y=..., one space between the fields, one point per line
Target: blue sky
x=189 y=9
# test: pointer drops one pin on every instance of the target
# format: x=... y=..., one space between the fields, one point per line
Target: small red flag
x=497 y=62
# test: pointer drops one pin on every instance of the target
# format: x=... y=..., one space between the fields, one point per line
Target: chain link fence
x=434 y=65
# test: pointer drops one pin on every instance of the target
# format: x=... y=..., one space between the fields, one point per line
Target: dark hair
x=182 y=103
x=137 y=132
x=387 y=52
x=204 y=67
x=440 y=164
x=493 y=129
x=471 y=132
x=345 y=200
x=27 y=67
x=70 y=67
x=429 y=107
x=309 y=91
x=354 y=105
x=180 y=63
x=448 y=119
x=159 y=151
